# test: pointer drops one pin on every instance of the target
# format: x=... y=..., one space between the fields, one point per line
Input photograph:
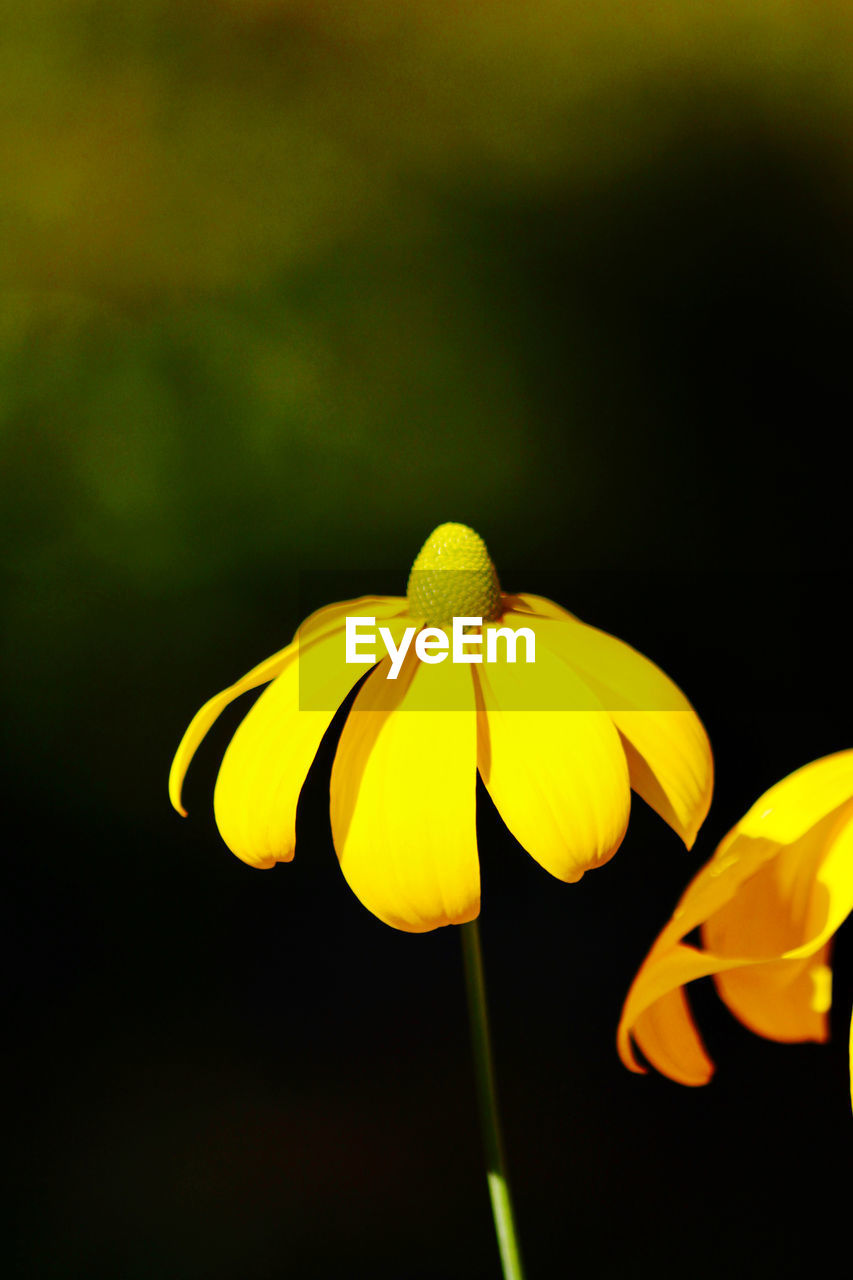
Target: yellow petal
x=403 y=796
x=670 y=764
x=668 y=752
x=832 y=895
x=266 y=762
x=329 y=618
x=797 y=802
x=558 y=778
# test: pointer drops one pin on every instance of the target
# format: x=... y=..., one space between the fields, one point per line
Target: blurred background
x=284 y=285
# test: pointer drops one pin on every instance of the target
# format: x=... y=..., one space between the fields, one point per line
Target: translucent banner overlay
x=634 y=642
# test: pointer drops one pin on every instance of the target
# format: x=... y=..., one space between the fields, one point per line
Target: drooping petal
x=558 y=778
x=769 y=901
x=671 y=767
x=210 y=712
x=266 y=762
x=669 y=755
x=403 y=796
x=329 y=618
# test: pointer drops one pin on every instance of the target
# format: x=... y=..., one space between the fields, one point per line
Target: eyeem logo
x=432 y=644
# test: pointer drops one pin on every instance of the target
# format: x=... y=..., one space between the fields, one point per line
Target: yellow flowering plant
x=559 y=740
x=767 y=905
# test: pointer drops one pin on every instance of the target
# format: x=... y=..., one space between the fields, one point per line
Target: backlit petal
x=800 y=800
x=266 y=762
x=329 y=618
x=403 y=796
x=558 y=778
x=667 y=1036
x=669 y=755
x=769 y=901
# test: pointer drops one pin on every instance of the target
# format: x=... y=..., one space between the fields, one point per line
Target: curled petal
x=212 y=709
x=323 y=621
x=657 y=1015
x=403 y=797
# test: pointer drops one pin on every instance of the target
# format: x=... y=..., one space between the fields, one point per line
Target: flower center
x=453 y=577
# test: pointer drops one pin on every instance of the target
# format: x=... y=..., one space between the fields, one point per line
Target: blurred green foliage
x=153 y=148
x=285 y=284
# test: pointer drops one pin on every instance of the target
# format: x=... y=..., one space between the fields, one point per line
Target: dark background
x=284 y=286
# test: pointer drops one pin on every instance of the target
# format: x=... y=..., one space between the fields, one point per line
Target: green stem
x=487 y=1097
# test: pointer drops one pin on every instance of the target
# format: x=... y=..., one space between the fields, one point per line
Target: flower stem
x=487 y=1097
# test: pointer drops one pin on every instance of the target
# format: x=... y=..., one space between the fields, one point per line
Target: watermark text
x=433 y=645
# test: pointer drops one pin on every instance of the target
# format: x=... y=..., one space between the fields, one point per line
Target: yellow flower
x=403 y=784
x=768 y=904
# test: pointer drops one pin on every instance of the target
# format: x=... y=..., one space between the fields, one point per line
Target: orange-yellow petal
x=558 y=778
x=781 y=909
x=663 y=1026
x=329 y=618
x=769 y=901
x=786 y=1000
x=403 y=796
x=808 y=889
x=668 y=752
